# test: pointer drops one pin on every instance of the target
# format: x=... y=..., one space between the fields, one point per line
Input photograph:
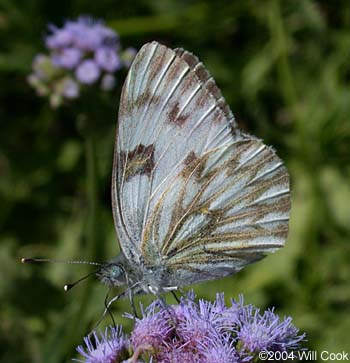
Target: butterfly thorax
x=155 y=279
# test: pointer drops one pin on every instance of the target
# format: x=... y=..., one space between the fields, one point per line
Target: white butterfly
x=194 y=198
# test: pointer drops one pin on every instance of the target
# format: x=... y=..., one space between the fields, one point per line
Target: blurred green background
x=283 y=67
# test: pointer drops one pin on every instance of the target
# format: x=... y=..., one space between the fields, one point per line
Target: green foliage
x=283 y=66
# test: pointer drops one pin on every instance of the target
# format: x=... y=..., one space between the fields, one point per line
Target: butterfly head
x=112 y=274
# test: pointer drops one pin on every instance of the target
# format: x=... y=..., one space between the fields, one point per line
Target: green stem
x=289 y=91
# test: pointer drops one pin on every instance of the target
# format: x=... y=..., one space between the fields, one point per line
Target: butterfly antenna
x=41 y=260
x=67 y=287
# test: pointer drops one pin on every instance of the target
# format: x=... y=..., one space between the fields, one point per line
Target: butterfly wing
x=232 y=207
x=190 y=191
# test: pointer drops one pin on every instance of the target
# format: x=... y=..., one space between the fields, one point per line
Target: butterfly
x=193 y=197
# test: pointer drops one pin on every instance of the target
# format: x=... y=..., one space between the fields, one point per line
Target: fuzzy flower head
x=104 y=347
x=154 y=328
x=258 y=332
x=83 y=50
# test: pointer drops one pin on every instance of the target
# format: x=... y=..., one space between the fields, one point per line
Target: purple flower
x=103 y=347
x=107 y=59
x=258 y=332
x=67 y=57
x=154 y=328
x=87 y=72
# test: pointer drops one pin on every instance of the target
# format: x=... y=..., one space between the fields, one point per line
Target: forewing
x=170 y=112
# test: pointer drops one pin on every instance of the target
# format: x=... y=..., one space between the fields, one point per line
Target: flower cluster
x=82 y=53
x=191 y=332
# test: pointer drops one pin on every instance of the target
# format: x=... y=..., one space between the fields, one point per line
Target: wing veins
x=189 y=208
x=185 y=71
x=227 y=237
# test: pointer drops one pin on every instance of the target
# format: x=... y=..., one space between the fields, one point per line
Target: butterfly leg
x=175 y=297
x=132 y=302
x=109 y=310
x=172 y=289
x=108 y=304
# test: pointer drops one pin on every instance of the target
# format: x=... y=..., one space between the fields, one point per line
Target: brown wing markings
x=158 y=62
x=208 y=81
x=283 y=205
x=178 y=222
x=126 y=107
x=227 y=165
x=181 y=118
x=177 y=218
x=241 y=237
x=175 y=115
x=152 y=222
x=140 y=161
x=254 y=194
x=211 y=257
x=254 y=167
x=277 y=166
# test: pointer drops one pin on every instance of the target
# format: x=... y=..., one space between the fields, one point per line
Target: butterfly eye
x=116 y=271
x=112 y=274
